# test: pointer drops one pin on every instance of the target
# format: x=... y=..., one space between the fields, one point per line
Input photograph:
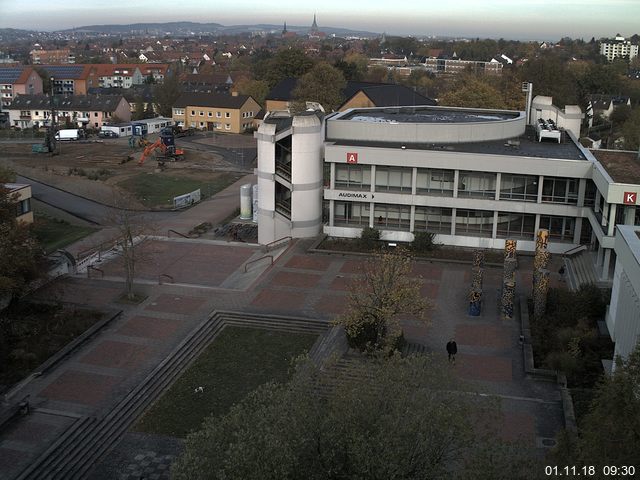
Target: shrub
x=369 y=238
x=423 y=242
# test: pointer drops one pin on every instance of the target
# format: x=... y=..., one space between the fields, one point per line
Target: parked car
x=107 y=134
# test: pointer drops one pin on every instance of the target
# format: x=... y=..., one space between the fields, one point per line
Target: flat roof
x=525 y=145
x=427 y=115
x=623 y=166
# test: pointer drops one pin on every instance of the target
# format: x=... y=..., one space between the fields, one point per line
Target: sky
x=509 y=19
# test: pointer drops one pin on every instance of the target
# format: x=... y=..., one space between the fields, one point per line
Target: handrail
x=270 y=244
x=254 y=261
x=573 y=250
x=91 y=267
x=175 y=231
x=165 y=275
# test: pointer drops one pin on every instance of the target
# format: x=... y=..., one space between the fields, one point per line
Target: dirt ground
x=94 y=169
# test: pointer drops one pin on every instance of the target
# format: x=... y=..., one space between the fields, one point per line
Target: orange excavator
x=167 y=147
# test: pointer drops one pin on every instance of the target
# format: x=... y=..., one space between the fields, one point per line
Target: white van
x=71 y=134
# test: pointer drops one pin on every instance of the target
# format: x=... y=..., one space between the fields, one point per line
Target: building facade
x=18 y=81
x=20 y=194
x=473 y=177
x=618 y=47
x=215 y=112
x=624 y=310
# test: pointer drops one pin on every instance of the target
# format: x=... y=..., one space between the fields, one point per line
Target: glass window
x=516 y=225
x=227 y=115
x=519 y=187
x=477 y=184
x=351 y=213
x=474 y=222
x=560 y=190
x=432 y=219
x=435 y=181
x=355 y=177
x=560 y=228
x=395 y=217
x=590 y=194
x=393 y=179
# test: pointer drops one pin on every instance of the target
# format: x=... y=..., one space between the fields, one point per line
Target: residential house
x=62 y=56
x=116 y=75
x=70 y=79
x=604 y=105
x=82 y=111
x=21 y=195
x=20 y=80
x=212 y=83
x=445 y=64
x=215 y=111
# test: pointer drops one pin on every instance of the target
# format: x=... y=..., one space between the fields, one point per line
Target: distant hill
x=194 y=28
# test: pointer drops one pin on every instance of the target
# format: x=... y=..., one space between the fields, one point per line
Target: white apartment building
x=618 y=47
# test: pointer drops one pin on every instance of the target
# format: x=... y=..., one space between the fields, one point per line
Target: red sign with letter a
x=630 y=198
x=352 y=157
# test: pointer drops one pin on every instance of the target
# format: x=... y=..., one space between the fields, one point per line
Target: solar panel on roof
x=10 y=75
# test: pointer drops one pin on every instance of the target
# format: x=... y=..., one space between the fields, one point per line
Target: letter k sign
x=630 y=198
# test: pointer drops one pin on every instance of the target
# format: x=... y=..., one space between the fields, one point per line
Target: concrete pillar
x=371 y=217
x=577 y=231
x=629 y=215
x=536 y=227
x=604 y=275
x=612 y=219
x=414 y=182
x=332 y=180
x=498 y=186
x=540 y=185
x=596 y=206
x=332 y=211
x=456 y=179
x=582 y=188
x=373 y=180
x=454 y=214
x=412 y=218
x=494 y=230
x=599 y=256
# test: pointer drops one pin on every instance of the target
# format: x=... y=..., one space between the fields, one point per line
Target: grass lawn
x=159 y=189
x=53 y=233
x=238 y=361
x=33 y=332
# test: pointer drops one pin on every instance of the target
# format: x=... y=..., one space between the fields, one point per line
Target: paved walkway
x=209 y=275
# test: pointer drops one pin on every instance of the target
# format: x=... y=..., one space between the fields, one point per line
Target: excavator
x=167 y=147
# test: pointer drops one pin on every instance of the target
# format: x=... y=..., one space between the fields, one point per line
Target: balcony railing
x=284 y=170
x=284 y=208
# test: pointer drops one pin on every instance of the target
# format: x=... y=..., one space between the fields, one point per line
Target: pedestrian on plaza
x=452 y=349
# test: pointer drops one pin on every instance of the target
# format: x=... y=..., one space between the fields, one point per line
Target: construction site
x=152 y=169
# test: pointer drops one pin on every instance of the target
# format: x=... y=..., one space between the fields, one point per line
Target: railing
x=574 y=250
x=91 y=267
x=165 y=275
x=176 y=232
x=271 y=245
x=256 y=260
x=284 y=209
x=284 y=170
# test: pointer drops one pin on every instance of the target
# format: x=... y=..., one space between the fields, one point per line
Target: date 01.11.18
x=590 y=470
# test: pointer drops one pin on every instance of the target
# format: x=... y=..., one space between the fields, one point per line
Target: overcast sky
x=510 y=19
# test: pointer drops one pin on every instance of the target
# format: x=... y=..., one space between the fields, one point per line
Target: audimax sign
x=359 y=196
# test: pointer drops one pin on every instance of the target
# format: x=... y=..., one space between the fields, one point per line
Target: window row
x=440 y=182
x=210 y=114
x=439 y=220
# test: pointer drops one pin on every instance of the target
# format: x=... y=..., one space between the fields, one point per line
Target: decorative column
x=509 y=279
x=541 y=274
x=475 y=294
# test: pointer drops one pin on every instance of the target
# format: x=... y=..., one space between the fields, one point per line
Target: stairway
x=580 y=270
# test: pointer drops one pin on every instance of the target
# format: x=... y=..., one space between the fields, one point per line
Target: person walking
x=452 y=349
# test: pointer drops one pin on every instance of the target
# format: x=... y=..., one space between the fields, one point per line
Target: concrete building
x=618 y=47
x=623 y=314
x=474 y=177
x=215 y=112
x=21 y=195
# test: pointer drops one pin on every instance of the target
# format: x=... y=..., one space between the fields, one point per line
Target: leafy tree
x=551 y=77
x=323 y=84
x=166 y=93
x=257 y=89
x=20 y=253
x=631 y=131
x=286 y=63
x=423 y=242
x=397 y=418
x=138 y=113
x=369 y=238
x=473 y=91
x=383 y=291
x=610 y=432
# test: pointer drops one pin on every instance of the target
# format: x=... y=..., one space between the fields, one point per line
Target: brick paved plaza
x=301 y=284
